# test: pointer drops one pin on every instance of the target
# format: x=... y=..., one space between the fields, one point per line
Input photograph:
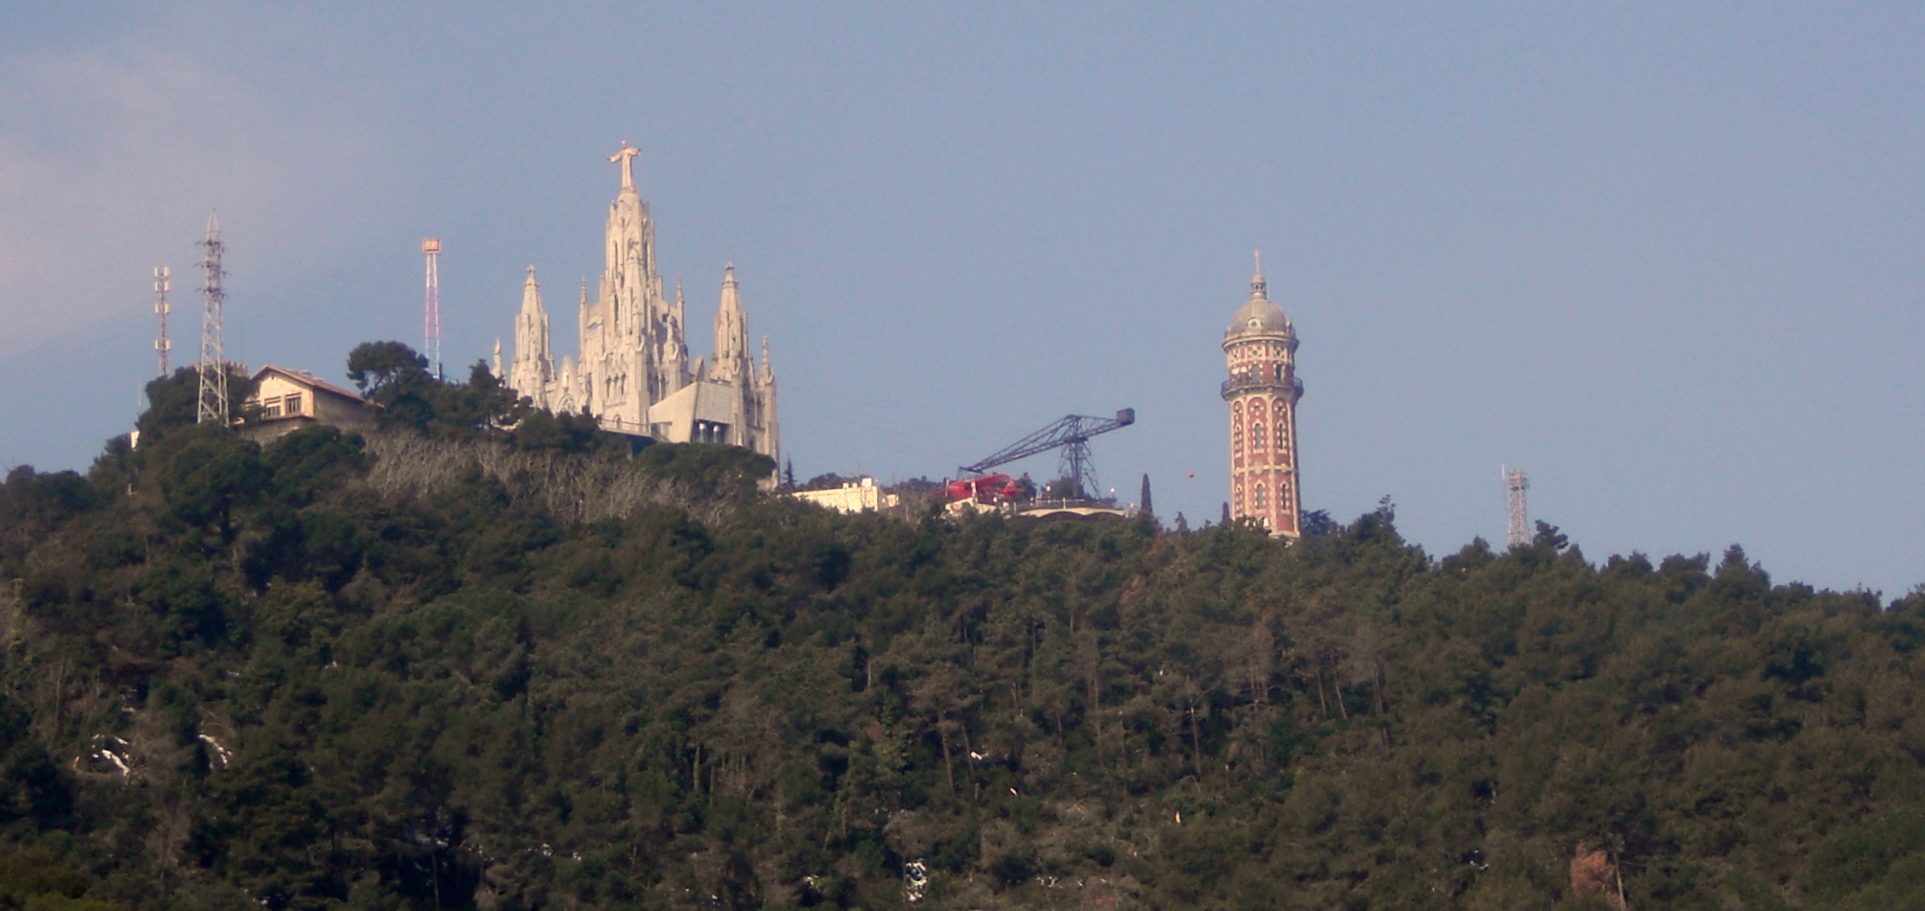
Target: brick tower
x=1262 y=392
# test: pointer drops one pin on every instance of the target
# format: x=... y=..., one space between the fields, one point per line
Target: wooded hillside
x=444 y=667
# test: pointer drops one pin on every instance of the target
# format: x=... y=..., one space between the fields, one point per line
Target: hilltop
x=440 y=665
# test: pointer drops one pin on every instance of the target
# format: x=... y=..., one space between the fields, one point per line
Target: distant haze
x=1668 y=258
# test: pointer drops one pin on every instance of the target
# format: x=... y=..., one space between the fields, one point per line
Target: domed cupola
x=1259 y=315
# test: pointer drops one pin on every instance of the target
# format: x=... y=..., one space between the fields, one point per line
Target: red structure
x=1262 y=391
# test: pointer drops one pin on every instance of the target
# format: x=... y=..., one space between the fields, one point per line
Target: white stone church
x=634 y=373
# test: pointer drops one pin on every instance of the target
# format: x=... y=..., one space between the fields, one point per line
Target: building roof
x=310 y=380
x=1259 y=314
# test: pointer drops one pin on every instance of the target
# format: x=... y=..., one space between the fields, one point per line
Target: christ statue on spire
x=627 y=157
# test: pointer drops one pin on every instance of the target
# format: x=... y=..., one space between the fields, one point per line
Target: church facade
x=633 y=371
x=1262 y=392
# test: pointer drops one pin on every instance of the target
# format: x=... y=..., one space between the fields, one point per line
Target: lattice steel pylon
x=162 y=344
x=431 y=314
x=213 y=364
x=1515 y=484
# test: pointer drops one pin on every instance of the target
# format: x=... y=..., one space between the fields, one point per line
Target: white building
x=861 y=495
x=633 y=373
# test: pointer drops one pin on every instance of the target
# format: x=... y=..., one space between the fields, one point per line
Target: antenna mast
x=1515 y=484
x=162 y=345
x=213 y=366
x=431 y=317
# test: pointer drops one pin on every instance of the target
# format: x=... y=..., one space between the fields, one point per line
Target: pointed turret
x=677 y=313
x=731 y=335
x=674 y=359
x=530 y=293
x=768 y=439
x=532 y=369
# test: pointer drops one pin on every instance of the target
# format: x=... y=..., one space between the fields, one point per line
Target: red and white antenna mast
x=1515 y=483
x=162 y=344
x=431 y=317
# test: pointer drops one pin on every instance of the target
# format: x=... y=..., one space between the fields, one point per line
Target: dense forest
x=443 y=665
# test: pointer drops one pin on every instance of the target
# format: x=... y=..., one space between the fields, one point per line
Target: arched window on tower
x=1236 y=438
x=1256 y=436
x=1236 y=499
x=1260 y=503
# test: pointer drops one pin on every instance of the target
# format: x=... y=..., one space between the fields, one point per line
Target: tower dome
x=1262 y=392
x=1260 y=313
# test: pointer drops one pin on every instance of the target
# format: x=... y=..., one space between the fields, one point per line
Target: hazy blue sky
x=1668 y=257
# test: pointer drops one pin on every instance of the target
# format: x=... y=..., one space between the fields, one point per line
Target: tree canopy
x=443 y=666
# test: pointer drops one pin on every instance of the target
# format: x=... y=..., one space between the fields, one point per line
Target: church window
x=293 y=405
x=1261 y=503
x=1256 y=435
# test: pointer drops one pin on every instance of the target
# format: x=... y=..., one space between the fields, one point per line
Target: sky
x=1668 y=258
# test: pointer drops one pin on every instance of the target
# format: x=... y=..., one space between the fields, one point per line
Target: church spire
x=532 y=368
x=1259 y=287
x=530 y=293
x=732 y=362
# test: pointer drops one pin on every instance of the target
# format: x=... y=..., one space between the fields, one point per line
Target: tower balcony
x=1243 y=385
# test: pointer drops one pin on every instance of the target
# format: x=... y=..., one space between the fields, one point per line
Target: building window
x=1256 y=436
x=271 y=408
x=1261 y=503
x=1236 y=499
x=1236 y=439
x=293 y=405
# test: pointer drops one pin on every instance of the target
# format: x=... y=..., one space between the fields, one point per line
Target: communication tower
x=162 y=345
x=431 y=316
x=213 y=366
x=1515 y=484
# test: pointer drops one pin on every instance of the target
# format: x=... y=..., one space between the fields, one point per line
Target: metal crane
x=1072 y=435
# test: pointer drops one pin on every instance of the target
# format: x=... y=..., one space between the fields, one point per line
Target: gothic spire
x=530 y=293
x=732 y=362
